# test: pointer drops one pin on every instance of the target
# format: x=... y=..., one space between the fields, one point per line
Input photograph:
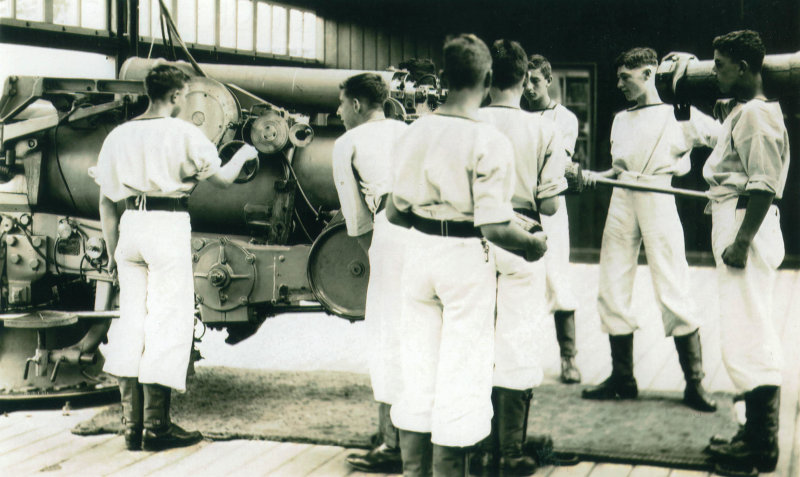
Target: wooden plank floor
x=39 y=442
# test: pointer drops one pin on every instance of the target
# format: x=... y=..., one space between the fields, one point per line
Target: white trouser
x=652 y=217
x=447 y=321
x=152 y=339
x=751 y=349
x=384 y=305
x=521 y=306
x=559 y=285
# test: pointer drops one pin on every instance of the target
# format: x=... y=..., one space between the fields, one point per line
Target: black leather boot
x=565 y=333
x=417 y=452
x=512 y=408
x=450 y=461
x=757 y=445
x=484 y=458
x=621 y=384
x=385 y=457
x=160 y=433
x=131 y=397
x=690 y=356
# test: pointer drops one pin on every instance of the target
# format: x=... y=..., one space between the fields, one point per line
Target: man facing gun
x=152 y=163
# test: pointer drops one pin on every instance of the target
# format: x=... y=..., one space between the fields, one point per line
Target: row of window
x=246 y=25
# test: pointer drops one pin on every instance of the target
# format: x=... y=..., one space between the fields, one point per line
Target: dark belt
x=445 y=228
x=382 y=203
x=168 y=204
x=530 y=213
x=741 y=202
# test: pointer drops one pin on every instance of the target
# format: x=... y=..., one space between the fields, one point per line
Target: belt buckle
x=443 y=228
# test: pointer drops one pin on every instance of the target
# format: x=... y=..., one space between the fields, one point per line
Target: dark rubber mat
x=336 y=408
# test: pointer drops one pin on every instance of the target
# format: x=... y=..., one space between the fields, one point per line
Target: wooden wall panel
x=356 y=47
x=352 y=45
x=382 y=49
x=395 y=48
x=370 y=48
x=343 y=56
x=331 y=46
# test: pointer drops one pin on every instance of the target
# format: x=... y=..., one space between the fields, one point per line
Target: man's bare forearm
x=109 y=223
x=757 y=208
x=395 y=216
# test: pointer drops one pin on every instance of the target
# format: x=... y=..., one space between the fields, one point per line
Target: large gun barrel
x=682 y=79
x=314 y=89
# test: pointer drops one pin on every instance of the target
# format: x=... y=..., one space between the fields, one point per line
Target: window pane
x=144 y=18
x=279 y=30
x=309 y=35
x=295 y=32
x=244 y=31
x=93 y=14
x=227 y=23
x=65 y=12
x=5 y=8
x=155 y=18
x=207 y=22
x=30 y=10
x=263 y=29
x=186 y=20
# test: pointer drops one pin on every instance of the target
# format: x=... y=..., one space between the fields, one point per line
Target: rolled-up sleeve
x=569 y=133
x=104 y=174
x=357 y=215
x=701 y=129
x=759 y=147
x=551 y=176
x=203 y=159
x=762 y=158
x=493 y=184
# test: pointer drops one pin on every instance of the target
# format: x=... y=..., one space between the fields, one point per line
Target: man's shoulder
x=563 y=110
x=759 y=115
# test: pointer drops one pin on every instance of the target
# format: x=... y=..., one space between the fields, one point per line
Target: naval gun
x=683 y=80
x=273 y=243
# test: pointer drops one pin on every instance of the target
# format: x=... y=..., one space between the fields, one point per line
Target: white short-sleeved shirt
x=454 y=168
x=648 y=140
x=566 y=124
x=751 y=151
x=540 y=158
x=159 y=156
x=362 y=170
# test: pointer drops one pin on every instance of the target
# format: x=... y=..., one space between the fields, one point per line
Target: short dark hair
x=742 y=45
x=162 y=79
x=509 y=63
x=636 y=57
x=466 y=61
x=369 y=88
x=421 y=70
x=539 y=62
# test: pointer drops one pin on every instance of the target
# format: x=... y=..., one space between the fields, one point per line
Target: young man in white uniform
x=454 y=180
x=649 y=146
x=521 y=295
x=152 y=163
x=560 y=299
x=746 y=172
x=362 y=172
